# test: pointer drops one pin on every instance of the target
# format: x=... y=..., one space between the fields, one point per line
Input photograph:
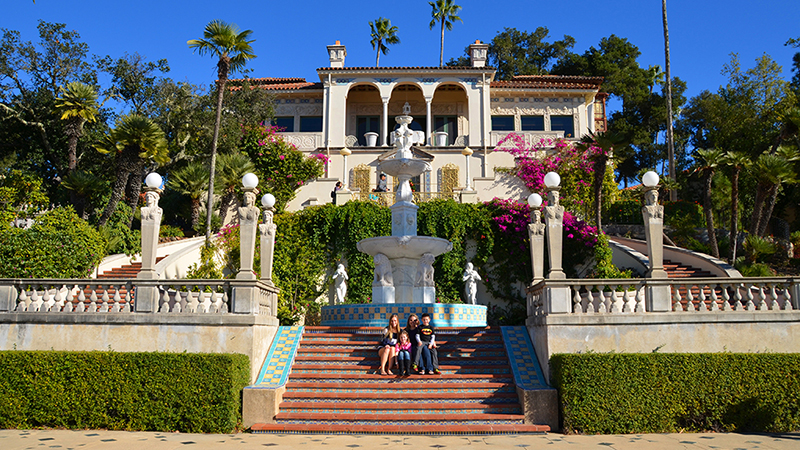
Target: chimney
x=477 y=54
x=336 y=53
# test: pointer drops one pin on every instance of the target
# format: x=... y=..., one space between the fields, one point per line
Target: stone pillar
x=478 y=53
x=536 y=235
x=337 y=53
x=467 y=152
x=267 y=231
x=345 y=152
x=385 y=121
x=657 y=298
x=248 y=220
x=554 y=221
x=147 y=297
x=8 y=298
x=428 y=121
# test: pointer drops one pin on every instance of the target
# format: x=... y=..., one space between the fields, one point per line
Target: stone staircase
x=333 y=388
x=678 y=271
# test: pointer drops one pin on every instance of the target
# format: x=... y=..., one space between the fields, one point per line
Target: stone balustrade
x=634 y=296
x=120 y=296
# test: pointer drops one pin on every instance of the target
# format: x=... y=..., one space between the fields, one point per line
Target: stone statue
x=152 y=211
x=652 y=210
x=248 y=212
x=471 y=279
x=536 y=227
x=341 y=283
x=553 y=211
x=424 y=276
x=383 y=271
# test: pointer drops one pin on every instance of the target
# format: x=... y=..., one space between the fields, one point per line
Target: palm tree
x=737 y=161
x=708 y=162
x=134 y=141
x=192 y=181
x=231 y=167
x=673 y=195
x=444 y=12
x=382 y=32
x=233 y=49
x=78 y=105
x=601 y=145
x=83 y=186
x=771 y=171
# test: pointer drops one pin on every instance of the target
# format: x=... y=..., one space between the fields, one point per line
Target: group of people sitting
x=410 y=349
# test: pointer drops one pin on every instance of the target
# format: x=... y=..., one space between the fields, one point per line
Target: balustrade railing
x=630 y=296
x=119 y=295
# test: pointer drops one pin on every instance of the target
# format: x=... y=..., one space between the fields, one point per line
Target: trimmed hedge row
x=655 y=393
x=197 y=393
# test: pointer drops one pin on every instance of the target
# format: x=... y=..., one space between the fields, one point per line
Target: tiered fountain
x=404 y=281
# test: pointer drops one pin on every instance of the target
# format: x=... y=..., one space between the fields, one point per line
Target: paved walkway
x=91 y=439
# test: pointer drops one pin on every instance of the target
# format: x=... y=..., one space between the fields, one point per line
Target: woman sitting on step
x=386 y=350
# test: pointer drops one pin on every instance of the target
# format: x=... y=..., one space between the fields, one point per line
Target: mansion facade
x=461 y=114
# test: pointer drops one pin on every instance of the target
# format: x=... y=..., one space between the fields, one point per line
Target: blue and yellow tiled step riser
x=443 y=315
x=500 y=399
x=381 y=391
x=404 y=422
x=370 y=369
x=354 y=410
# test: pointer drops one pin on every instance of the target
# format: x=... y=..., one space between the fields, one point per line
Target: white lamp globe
x=650 y=179
x=153 y=180
x=268 y=201
x=552 y=180
x=534 y=200
x=250 y=181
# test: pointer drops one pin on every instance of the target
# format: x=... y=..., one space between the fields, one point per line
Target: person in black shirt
x=386 y=349
x=426 y=340
x=412 y=328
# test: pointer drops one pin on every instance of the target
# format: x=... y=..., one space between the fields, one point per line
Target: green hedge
x=122 y=391
x=656 y=393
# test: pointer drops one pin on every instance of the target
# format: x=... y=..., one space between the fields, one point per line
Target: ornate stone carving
x=461 y=141
x=152 y=211
x=652 y=210
x=449 y=179
x=424 y=277
x=248 y=213
x=351 y=141
x=340 y=278
x=383 y=271
x=361 y=175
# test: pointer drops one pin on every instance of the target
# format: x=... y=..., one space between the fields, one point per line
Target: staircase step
x=400 y=397
x=418 y=407
x=384 y=417
x=430 y=430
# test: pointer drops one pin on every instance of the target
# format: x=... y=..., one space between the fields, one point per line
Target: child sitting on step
x=426 y=340
x=403 y=348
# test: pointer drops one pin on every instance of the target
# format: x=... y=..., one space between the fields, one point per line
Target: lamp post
x=653 y=215
x=467 y=152
x=345 y=152
x=554 y=219
x=147 y=297
x=248 y=219
x=536 y=236
x=267 y=231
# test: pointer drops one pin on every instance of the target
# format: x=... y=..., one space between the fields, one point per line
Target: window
x=563 y=123
x=286 y=122
x=446 y=124
x=502 y=123
x=366 y=124
x=311 y=124
x=532 y=123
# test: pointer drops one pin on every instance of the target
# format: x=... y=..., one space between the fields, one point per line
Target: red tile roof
x=550 y=82
x=275 y=84
x=417 y=68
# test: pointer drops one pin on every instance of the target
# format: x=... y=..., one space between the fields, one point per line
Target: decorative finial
x=406 y=109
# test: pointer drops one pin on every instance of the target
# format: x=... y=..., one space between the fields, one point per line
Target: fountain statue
x=404 y=261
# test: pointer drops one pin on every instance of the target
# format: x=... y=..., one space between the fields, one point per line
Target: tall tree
x=737 y=161
x=78 y=105
x=134 y=141
x=444 y=12
x=708 y=161
x=600 y=147
x=673 y=195
x=516 y=52
x=382 y=32
x=232 y=47
x=134 y=81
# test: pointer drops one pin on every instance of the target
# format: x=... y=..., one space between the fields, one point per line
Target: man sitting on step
x=426 y=341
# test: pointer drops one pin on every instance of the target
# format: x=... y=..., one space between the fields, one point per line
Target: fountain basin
x=372 y=315
x=404 y=167
x=411 y=247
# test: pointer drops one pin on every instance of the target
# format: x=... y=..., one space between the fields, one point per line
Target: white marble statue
x=341 y=283
x=151 y=211
x=248 y=212
x=383 y=271
x=471 y=279
x=424 y=276
x=652 y=209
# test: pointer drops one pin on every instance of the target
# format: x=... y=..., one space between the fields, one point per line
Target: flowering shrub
x=575 y=165
x=282 y=168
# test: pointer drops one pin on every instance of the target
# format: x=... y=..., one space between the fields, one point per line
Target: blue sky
x=291 y=36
